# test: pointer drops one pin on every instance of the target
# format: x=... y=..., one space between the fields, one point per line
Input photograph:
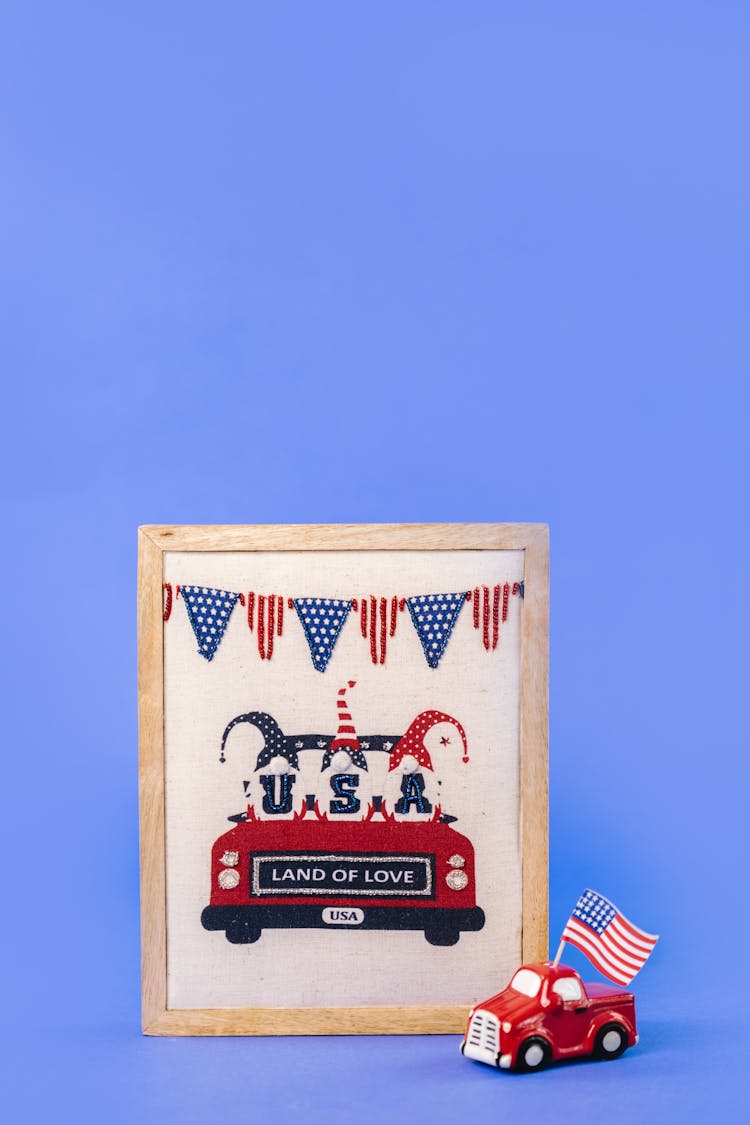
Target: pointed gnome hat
x=346 y=736
x=275 y=744
x=413 y=741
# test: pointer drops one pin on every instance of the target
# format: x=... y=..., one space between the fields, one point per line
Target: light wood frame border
x=153 y=542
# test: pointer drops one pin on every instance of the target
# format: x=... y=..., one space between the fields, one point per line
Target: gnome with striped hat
x=413 y=788
x=346 y=786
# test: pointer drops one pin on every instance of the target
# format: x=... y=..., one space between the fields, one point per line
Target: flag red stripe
x=383 y=628
x=280 y=619
x=627 y=956
x=250 y=610
x=592 y=953
x=475 y=607
x=588 y=943
x=394 y=608
x=635 y=948
x=634 y=935
x=584 y=934
x=486 y=618
x=606 y=953
x=506 y=592
x=363 y=617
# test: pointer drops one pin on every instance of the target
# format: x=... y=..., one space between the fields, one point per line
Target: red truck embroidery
x=379 y=875
x=325 y=869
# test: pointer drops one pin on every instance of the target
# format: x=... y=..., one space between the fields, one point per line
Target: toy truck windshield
x=526 y=982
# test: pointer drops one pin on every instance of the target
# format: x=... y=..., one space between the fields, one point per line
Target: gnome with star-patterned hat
x=270 y=792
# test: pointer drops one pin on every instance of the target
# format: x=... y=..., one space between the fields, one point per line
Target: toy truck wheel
x=533 y=1054
x=611 y=1041
x=242 y=933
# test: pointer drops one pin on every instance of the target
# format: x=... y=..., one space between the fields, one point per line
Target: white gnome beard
x=276 y=769
x=341 y=763
x=393 y=794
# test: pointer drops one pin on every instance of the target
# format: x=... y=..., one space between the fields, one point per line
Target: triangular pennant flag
x=322 y=619
x=434 y=616
x=208 y=611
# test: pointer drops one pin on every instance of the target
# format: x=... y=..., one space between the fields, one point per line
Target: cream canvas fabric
x=329 y=966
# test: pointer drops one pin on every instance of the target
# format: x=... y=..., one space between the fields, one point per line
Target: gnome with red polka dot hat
x=410 y=769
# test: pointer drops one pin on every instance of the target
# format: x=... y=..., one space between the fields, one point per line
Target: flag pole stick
x=558 y=955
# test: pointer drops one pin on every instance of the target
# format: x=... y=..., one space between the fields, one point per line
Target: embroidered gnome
x=345 y=792
x=270 y=793
x=413 y=790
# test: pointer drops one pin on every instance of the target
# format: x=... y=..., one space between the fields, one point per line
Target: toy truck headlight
x=230 y=859
x=457 y=861
x=506 y=1027
x=228 y=878
x=457 y=879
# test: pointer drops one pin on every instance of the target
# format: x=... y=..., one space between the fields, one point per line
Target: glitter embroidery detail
x=322 y=620
x=434 y=616
x=167 y=588
x=208 y=611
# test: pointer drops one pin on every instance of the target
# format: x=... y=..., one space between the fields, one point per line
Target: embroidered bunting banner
x=322 y=620
x=434 y=616
x=208 y=611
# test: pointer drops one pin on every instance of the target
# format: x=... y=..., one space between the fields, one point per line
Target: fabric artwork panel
x=345 y=784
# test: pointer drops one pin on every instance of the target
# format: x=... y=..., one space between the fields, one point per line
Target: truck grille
x=484 y=1033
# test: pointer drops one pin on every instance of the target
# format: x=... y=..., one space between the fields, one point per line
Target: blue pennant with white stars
x=322 y=619
x=208 y=611
x=434 y=616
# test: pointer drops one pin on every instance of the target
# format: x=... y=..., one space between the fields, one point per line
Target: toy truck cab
x=547 y=1013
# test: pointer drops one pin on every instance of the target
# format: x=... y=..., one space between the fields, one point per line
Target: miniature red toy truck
x=547 y=1013
x=361 y=874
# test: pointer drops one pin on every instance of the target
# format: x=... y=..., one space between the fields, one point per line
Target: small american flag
x=614 y=945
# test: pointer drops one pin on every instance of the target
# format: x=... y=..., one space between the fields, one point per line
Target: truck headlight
x=457 y=861
x=506 y=1026
x=228 y=879
x=230 y=859
x=457 y=880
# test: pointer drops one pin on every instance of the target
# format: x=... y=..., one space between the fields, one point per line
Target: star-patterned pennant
x=208 y=611
x=434 y=616
x=322 y=619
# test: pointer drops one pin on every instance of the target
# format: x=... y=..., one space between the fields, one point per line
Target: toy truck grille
x=483 y=1040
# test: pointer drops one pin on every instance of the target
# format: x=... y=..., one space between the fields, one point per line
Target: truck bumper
x=245 y=923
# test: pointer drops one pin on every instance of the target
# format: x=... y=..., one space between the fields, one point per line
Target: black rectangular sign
x=342 y=876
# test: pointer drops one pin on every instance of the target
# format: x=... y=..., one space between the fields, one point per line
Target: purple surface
x=419 y=261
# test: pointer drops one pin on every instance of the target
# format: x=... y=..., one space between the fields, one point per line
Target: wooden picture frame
x=154 y=544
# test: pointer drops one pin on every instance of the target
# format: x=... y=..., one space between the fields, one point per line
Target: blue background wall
x=394 y=261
